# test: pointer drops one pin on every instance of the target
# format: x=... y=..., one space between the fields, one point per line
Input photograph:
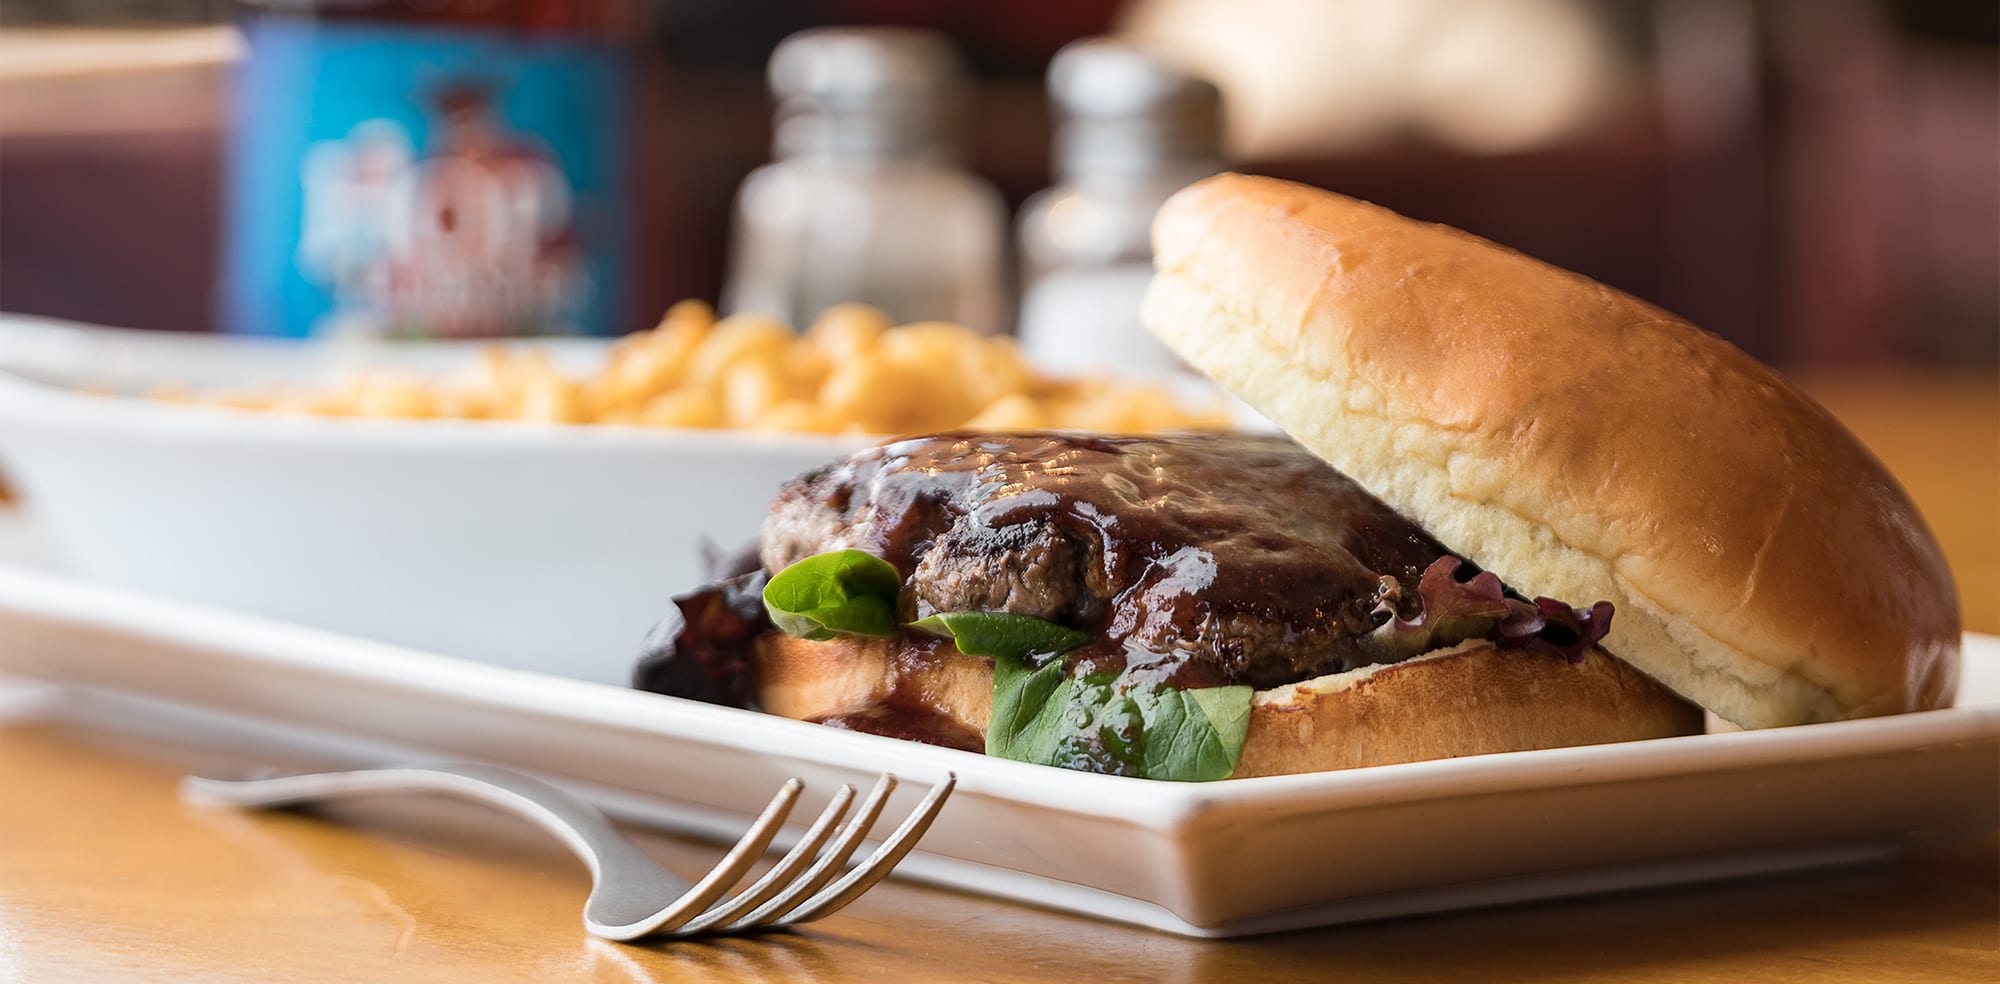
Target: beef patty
x=1220 y=558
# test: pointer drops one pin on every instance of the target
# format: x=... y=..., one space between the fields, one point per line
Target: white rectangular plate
x=1213 y=859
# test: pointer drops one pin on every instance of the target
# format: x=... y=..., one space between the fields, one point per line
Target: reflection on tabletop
x=444 y=889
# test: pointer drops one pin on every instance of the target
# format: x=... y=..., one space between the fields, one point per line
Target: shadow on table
x=1944 y=899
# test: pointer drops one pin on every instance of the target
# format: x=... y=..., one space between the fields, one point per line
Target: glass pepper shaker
x=1133 y=129
x=866 y=200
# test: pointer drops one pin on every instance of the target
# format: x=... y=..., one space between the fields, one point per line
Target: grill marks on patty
x=1218 y=558
x=1026 y=569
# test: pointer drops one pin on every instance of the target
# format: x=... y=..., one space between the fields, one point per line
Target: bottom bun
x=1471 y=699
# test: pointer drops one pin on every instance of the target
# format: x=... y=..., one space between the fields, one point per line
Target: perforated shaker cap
x=1125 y=105
x=864 y=90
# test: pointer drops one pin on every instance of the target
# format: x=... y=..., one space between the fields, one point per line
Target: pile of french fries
x=850 y=372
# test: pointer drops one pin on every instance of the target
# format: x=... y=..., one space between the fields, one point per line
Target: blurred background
x=1817 y=180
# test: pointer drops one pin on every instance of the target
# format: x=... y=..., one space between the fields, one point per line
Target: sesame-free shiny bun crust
x=1578 y=442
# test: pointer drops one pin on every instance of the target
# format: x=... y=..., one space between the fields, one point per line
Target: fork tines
x=807 y=883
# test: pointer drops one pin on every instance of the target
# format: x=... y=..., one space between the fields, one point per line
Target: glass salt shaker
x=865 y=200
x=1133 y=130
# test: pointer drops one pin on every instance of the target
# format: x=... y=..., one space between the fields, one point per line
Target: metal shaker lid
x=897 y=83
x=855 y=67
x=865 y=93
x=1123 y=105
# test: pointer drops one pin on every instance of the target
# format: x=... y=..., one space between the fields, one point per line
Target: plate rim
x=1163 y=807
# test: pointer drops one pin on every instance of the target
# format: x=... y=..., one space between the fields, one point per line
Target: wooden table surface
x=104 y=875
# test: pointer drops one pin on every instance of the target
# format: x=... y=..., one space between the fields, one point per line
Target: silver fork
x=630 y=895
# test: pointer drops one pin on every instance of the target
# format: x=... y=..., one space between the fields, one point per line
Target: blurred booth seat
x=110 y=177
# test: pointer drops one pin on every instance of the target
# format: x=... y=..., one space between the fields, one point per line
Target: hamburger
x=1512 y=509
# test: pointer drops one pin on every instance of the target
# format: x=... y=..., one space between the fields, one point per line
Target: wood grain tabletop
x=105 y=875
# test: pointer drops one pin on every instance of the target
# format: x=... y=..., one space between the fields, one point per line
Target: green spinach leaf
x=1026 y=709
x=1044 y=711
x=845 y=592
x=1193 y=735
x=1001 y=634
x=1100 y=722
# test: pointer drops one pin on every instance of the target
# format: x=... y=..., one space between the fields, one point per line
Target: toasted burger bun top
x=1578 y=442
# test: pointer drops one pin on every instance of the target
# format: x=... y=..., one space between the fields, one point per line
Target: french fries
x=851 y=371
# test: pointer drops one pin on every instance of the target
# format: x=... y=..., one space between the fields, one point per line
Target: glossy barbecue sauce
x=1199 y=560
x=1214 y=558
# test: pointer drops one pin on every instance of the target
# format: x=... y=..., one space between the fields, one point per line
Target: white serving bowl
x=539 y=547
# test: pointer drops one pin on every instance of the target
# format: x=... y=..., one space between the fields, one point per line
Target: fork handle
x=583 y=828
